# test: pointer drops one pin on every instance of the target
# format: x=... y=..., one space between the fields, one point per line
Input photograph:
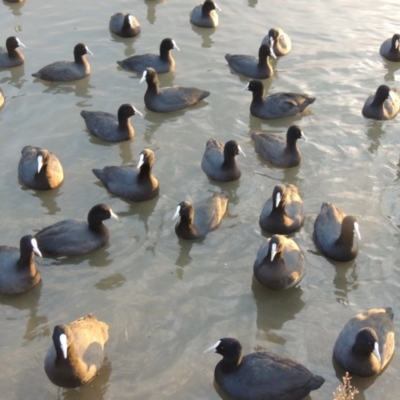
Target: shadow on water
x=47 y=198
x=184 y=258
x=129 y=45
x=96 y=258
x=252 y=3
x=345 y=280
x=391 y=68
x=80 y=87
x=143 y=209
x=151 y=10
x=374 y=134
x=111 y=282
x=274 y=308
x=15 y=8
x=37 y=325
x=205 y=34
x=96 y=389
x=15 y=79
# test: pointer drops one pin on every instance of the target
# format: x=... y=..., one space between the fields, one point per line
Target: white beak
x=213 y=348
x=35 y=247
x=141 y=159
x=176 y=215
x=143 y=78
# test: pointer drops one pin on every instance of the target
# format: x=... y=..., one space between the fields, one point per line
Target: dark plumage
x=279 y=263
x=279 y=40
x=219 y=162
x=111 y=127
x=283 y=212
x=160 y=63
x=18 y=271
x=124 y=25
x=77 y=352
x=253 y=67
x=201 y=217
x=72 y=236
x=280 y=152
x=278 y=105
x=334 y=233
x=204 y=15
x=39 y=169
x=169 y=99
x=261 y=375
x=65 y=71
x=366 y=343
x=383 y=104
x=10 y=56
x=136 y=184
x=390 y=48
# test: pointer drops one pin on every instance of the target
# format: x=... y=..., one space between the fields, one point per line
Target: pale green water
x=167 y=300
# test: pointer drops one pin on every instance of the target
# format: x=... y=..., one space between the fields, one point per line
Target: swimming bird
x=279 y=41
x=283 y=212
x=261 y=375
x=253 y=67
x=124 y=25
x=281 y=153
x=390 y=48
x=204 y=15
x=279 y=263
x=39 y=169
x=135 y=184
x=10 y=56
x=65 y=71
x=169 y=99
x=278 y=105
x=162 y=63
x=18 y=272
x=366 y=343
x=111 y=127
x=199 y=218
x=72 y=236
x=219 y=160
x=334 y=233
x=383 y=104
x=77 y=352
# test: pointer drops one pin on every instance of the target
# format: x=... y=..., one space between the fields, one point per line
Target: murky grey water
x=166 y=300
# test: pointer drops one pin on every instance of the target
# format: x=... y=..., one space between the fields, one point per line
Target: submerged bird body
x=10 y=56
x=366 y=343
x=77 y=352
x=283 y=212
x=72 y=236
x=334 y=233
x=278 y=105
x=124 y=25
x=279 y=264
x=169 y=99
x=204 y=15
x=261 y=375
x=135 y=184
x=111 y=127
x=390 y=48
x=18 y=271
x=280 y=152
x=161 y=63
x=219 y=162
x=39 y=169
x=382 y=105
x=253 y=67
x=201 y=217
x=65 y=71
x=279 y=40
